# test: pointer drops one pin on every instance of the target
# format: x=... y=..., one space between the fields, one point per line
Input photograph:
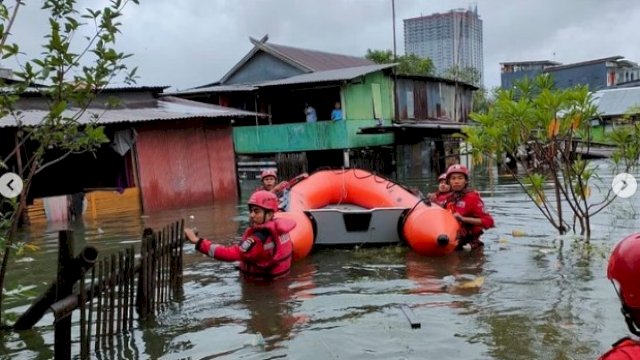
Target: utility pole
x=393 y=14
x=395 y=59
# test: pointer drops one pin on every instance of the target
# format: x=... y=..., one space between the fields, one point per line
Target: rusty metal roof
x=318 y=60
x=304 y=59
x=168 y=108
x=328 y=75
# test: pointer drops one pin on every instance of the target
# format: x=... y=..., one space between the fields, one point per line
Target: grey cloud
x=189 y=43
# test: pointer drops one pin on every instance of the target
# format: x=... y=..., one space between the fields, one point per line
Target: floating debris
x=471 y=284
x=518 y=233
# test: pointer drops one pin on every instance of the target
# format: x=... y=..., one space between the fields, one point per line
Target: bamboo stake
x=112 y=298
x=99 y=303
x=125 y=293
x=89 y=328
x=132 y=274
x=119 y=281
x=84 y=354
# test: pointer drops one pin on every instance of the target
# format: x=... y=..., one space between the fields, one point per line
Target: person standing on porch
x=336 y=114
x=310 y=113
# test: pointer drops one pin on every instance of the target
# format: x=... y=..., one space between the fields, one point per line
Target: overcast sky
x=187 y=43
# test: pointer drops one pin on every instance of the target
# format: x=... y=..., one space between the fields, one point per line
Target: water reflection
x=272 y=308
x=457 y=273
x=535 y=296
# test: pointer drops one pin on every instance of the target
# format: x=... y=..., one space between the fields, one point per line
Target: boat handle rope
x=406 y=215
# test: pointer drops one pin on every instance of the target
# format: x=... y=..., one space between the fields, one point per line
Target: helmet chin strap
x=633 y=327
x=626 y=312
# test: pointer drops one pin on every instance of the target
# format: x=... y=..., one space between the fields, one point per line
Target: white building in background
x=448 y=39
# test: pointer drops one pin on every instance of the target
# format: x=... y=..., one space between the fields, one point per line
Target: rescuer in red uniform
x=624 y=273
x=265 y=251
x=467 y=207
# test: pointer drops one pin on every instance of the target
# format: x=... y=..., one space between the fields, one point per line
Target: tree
x=469 y=75
x=407 y=64
x=73 y=80
x=547 y=123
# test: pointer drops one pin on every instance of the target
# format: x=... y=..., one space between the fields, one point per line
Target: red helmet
x=442 y=176
x=457 y=169
x=268 y=172
x=624 y=268
x=264 y=199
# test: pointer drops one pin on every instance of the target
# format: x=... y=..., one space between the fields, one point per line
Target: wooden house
x=163 y=153
x=278 y=80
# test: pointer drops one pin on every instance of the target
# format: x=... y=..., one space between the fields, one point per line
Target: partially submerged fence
x=108 y=289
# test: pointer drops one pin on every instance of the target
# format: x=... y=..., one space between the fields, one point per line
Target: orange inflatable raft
x=353 y=206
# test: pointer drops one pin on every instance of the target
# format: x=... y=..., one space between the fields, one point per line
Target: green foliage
x=467 y=75
x=380 y=56
x=547 y=122
x=627 y=148
x=407 y=64
x=72 y=81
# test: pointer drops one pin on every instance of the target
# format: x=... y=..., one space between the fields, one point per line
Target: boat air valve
x=443 y=240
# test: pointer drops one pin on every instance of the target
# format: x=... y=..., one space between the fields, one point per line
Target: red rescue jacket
x=469 y=204
x=265 y=251
x=441 y=197
x=625 y=349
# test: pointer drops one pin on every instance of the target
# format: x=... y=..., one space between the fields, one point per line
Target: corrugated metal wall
x=222 y=163
x=185 y=165
x=432 y=100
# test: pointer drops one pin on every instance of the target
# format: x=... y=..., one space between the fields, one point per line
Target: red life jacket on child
x=624 y=349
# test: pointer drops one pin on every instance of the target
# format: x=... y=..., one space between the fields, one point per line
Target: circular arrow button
x=10 y=185
x=624 y=185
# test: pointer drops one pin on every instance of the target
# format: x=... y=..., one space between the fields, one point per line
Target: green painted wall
x=358 y=104
x=359 y=97
x=322 y=135
x=597 y=134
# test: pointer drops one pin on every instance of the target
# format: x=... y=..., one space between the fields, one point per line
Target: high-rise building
x=452 y=39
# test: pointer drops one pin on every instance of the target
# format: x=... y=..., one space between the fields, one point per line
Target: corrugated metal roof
x=583 y=63
x=169 y=108
x=437 y=80
x=319 y=60
x=215 y=88
x=612 y=102
x=533 y=62
x=134 y=88
x=28 y=91
x=328 y=75
x=304 y=59
x=109 y=89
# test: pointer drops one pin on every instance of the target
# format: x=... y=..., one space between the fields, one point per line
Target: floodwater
x=535 y=296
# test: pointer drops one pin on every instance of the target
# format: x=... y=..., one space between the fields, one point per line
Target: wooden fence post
x=62 y=342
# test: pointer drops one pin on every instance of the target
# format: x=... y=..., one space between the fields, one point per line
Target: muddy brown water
x=535 y=296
